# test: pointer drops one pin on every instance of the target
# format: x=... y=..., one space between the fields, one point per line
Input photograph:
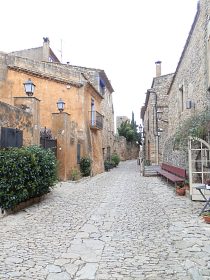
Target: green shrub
x=75 y=174
x=115 y=159
x=25 y=173
x=107 y=165
x=85 y=166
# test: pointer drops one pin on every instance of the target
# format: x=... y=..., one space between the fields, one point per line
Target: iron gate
x=47 y=141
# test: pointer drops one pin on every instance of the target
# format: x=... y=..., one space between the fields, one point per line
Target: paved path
x=116 y=225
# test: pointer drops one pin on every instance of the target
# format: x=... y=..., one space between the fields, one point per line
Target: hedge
x=85 y=166
x=25 y=173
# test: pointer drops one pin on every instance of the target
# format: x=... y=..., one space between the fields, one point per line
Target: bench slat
x=180 y=172
x=173 y=173
x=170 y=176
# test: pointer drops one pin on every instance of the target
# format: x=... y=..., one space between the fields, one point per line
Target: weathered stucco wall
x=54 y=81
x=14 y=117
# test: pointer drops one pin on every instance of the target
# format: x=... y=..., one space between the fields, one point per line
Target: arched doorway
x=199 y=165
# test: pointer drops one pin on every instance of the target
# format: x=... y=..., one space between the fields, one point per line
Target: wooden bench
x=172 y=173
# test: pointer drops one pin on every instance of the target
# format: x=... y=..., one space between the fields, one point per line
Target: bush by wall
x=109 y=164
x=115 y=159
x=25 y=173
x=85 y=166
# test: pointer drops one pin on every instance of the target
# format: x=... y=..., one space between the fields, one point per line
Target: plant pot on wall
x=206 y=217
x=180 y=191
x=186 y=184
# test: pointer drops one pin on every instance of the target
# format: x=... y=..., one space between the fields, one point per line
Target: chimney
x=46 y=49
x=158 y=68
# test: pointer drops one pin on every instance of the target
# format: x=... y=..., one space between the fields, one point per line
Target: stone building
x=154 y=115
x=43 y=53
x=126 y=150
x=187 y=98
x=79 y=128
x=101 y=82
x=188 y=94
x=120 y=120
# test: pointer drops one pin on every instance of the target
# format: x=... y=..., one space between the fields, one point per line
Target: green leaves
x=115 y=159
x=109 y=164
x=25 y=173
x=194 y=126
x=85 y=166
x=129 y=131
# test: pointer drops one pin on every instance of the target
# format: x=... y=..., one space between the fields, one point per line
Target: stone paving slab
x=116 y=225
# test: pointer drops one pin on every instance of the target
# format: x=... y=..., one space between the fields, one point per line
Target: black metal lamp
x=29 y=87
x=140 y=128
x=60 y=105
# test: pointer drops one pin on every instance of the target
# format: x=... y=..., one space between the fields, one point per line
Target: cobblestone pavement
x=116 y=225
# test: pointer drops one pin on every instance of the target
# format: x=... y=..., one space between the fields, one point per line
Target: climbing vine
x=195 y=126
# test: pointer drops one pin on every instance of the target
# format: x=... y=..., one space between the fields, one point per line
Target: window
x=102 y=87
x=181 y=91
x=92 y=112
x=108 y=156
x=11 y=137
x=78 y=153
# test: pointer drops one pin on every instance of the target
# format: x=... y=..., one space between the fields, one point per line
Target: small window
x=78 y=153
x=102 y=87
x=181 y=91
x=103 y=151
x=108 y=156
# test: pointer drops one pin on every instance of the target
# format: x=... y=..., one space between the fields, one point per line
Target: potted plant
x=207 y=183
x=186 y=184
x=180 y=190
x=206 y=216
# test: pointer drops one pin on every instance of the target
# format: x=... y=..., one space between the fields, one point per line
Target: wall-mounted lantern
x=29 y=87
x=60 y=105
x=159 y=114
x=188 y=104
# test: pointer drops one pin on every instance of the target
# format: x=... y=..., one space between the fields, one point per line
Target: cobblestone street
x=116 y=225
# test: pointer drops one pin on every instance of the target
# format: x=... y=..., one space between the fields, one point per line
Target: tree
x=129 y=131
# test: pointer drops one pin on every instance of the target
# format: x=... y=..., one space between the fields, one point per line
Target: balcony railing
x=96 y=120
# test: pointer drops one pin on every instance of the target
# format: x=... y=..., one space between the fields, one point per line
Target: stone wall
x=190 y=82
x=54 y=71
x=14 y=117
x=125 y=150
x=155 y=118
x=107 y=110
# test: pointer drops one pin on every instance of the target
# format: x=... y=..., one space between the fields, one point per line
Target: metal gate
x=47 y=141
x=199 y=165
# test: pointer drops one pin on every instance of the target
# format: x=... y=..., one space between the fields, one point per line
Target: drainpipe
x=153 y=97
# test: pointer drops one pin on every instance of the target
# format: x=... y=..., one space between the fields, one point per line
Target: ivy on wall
x=196 y=126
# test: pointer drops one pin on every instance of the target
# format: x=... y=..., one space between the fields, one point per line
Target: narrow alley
x=116 y=225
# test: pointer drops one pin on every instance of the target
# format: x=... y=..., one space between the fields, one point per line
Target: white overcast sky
x=122 y=37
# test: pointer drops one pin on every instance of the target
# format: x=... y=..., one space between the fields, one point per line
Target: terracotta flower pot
x=206 y=219
x=180 y=191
